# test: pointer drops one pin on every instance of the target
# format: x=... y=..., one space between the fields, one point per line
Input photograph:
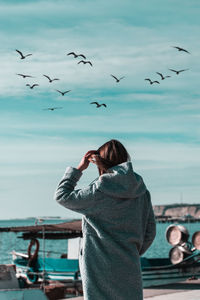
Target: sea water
x=54 y=248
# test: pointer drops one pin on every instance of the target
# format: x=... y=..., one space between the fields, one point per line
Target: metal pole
x=43 y=254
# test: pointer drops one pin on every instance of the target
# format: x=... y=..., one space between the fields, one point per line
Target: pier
x=177 y=213
x=187 y=290
x=178 y=219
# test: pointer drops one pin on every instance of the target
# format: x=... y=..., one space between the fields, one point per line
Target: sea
x=11 y=241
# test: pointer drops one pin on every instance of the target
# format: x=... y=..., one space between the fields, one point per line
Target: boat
x=155 y=271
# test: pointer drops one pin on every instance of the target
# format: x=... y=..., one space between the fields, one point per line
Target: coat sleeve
x=150 y=231
x=81 y=200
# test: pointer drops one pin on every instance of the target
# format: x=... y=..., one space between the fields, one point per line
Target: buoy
x=178 y=253
x=35 y=254
x=196 y=240
x=32 y=261
x=177 y=234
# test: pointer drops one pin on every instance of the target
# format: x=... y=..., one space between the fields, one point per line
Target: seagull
x=76 y=55
x=151 y=82
x=163 y=77
x=181 y=49
x=32 y=86
x=85 y=62
x=117 y=79
x=23 y=56
x=98 y=105
x=50 y=80
x=179 y=71
x=24 y=76
x=52 y=108
x=63 y=93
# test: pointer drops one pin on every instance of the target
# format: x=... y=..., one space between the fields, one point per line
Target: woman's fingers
x=89 y=153
x=87 y=159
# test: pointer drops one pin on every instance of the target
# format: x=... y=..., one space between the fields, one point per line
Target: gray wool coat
x=118 y=226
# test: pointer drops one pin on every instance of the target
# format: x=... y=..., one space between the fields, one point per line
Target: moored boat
x=155 y=271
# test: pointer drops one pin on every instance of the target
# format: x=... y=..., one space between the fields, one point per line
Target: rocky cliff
x=177 y=210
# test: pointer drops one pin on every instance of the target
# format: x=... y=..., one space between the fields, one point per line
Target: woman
x=118 y=223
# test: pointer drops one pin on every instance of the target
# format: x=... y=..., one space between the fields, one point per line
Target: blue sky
x=158 y=124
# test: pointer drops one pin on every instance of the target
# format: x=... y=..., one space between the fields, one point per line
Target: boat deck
x=187 y=290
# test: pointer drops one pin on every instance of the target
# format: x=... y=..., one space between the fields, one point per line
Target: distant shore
x=178 y=210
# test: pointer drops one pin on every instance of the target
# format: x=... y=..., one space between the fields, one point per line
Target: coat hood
x=121 y=182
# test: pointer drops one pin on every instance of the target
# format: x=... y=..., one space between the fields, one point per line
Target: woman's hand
x=87 y=158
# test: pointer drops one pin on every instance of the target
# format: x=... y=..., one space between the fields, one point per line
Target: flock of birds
x=177 y=72
x=84 y=61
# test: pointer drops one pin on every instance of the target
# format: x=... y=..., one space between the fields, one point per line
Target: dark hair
x=111 y=153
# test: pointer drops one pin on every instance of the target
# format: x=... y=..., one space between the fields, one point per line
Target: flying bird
x=63 y=93
x=151 y=82
x=50 y=80
x=32 y=86
x=179 y=71
x=181 y=49
x=98 y=105
x=76 y=55
x=117 y=79
x=163 y=77
x=22 y=55
x=52 y=108
x=85 y=62
x=24 y=76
